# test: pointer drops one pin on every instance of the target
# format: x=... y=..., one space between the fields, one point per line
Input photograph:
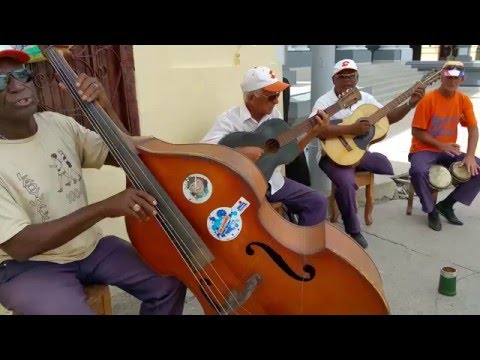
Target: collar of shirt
x=245 y=115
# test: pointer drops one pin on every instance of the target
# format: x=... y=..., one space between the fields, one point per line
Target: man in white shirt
x=345 y=76
x=261 y=90
x=50 y=244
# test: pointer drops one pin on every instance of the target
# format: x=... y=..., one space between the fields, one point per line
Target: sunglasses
x=23 y=75
x=272 y=97
x=454 y=67
x=346 y=75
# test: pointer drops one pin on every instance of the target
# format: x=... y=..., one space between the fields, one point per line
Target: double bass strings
x=69 y=83
x=90 y=109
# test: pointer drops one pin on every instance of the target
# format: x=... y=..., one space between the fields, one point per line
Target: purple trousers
x=346 y=188
x=309 y=204
x=45 y=288
x=420 y=165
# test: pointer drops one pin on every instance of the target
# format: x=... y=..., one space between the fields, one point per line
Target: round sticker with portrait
x=197 y=188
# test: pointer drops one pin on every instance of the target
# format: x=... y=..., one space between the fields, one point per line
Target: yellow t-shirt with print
x=41 y=180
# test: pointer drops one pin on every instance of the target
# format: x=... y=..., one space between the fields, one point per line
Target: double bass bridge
x=234 y=299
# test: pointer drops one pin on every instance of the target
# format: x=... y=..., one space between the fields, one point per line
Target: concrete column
x=323 y=60
x=387 y=53
x=477 y=53
x=406 y=52
x=281 y=54
x=463 y=53
x=358 y=53
x=299 y=47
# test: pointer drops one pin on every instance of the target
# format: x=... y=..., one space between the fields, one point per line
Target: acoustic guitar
x=278 y=140
x=349 y=149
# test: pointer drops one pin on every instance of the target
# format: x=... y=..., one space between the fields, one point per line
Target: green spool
x=448 y=281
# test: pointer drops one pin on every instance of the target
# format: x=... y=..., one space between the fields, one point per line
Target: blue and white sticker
x=225 y=223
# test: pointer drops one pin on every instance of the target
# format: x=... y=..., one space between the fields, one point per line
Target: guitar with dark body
x=278 y=140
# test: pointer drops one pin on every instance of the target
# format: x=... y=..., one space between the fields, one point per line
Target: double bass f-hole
x=308 y=269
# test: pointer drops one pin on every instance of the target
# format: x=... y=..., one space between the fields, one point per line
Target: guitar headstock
x=431 y=77
x=349 y=97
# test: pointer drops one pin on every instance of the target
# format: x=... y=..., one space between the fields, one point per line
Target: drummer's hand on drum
x=471 y=164
x=252 y=152
x=451 y=149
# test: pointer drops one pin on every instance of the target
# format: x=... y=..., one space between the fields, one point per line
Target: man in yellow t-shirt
x=49 y=242
x=434 y=130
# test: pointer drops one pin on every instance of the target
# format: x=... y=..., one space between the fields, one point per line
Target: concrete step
x=392 y=80
x=366 y=71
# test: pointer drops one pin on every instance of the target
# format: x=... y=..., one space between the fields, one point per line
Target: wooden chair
x=278 y=207
x=362 y=178
x=411 y=194
x=282 y=210
x=98 y=298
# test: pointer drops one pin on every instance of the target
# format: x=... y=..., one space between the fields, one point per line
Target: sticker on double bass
x=197 y=188
x=225 y=223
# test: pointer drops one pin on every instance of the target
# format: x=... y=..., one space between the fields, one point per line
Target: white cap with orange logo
x=262 y=77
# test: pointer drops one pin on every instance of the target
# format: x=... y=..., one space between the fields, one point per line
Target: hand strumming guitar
x=360 y=128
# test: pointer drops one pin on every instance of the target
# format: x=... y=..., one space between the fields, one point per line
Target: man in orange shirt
x=434 y=130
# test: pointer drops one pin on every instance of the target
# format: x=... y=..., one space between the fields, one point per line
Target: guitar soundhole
x=272 y=146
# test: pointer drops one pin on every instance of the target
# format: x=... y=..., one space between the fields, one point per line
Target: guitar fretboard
x=305 y=126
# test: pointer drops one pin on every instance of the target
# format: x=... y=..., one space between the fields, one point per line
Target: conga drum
x=459 y=173
x=439 y=177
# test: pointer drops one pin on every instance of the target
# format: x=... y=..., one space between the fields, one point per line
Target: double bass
x=216 y=232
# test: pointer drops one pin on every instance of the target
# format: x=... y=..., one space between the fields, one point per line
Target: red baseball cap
x=11 y=52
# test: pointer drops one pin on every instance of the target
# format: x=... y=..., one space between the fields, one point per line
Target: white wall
x=180 y=91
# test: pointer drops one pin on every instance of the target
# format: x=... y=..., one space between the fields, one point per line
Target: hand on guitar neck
x=322 y=120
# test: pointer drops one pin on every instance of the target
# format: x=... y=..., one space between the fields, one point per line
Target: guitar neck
x=305 y=126
x=381 y=113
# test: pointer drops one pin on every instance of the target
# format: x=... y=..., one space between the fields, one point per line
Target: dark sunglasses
x=454 y=67
x=272 y=97
x=346 y=75
x=23 y=75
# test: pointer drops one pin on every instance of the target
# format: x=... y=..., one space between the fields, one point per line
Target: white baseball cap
x=344 y=65
x=11 y=52
x=262 y=77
